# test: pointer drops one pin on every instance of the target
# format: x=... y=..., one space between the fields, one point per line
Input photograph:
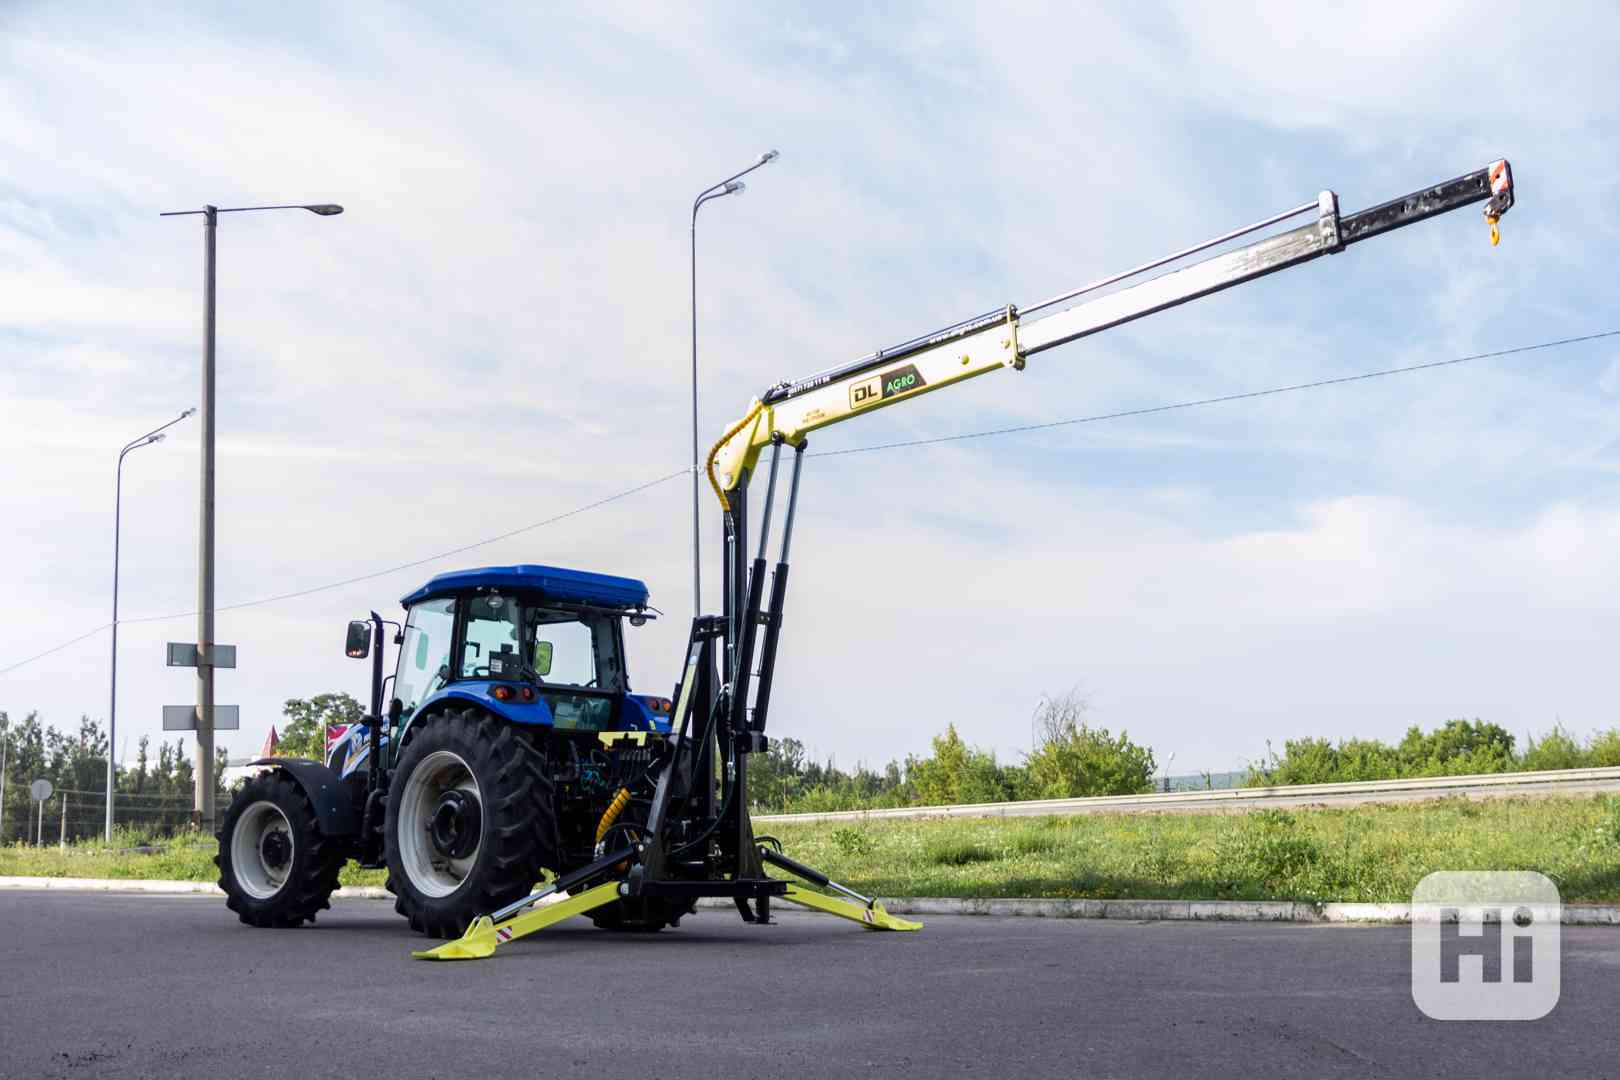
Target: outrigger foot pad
x=858 y=908
x=485 y=935
x=872 y=916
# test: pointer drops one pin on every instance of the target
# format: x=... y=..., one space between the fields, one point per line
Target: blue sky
x=496 y=331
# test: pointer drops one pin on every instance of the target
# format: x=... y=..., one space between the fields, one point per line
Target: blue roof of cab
x=553 y=582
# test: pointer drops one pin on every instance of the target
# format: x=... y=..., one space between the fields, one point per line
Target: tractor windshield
x=490 y=644
x=424 y=654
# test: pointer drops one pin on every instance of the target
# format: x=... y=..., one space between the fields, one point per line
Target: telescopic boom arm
x=1007 y=336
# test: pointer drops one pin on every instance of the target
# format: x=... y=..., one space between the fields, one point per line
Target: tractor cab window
x=490 y=643
x=424 y=655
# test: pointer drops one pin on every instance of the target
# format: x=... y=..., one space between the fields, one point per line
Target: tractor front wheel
x=275 y=866
x=470 y=821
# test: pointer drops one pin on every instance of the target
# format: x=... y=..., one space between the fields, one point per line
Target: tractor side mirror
x=542 y=658
x=359 y=643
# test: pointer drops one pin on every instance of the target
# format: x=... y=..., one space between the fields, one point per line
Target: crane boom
x=1007 y=336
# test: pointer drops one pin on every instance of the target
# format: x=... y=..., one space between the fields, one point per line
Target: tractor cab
x=538 y=646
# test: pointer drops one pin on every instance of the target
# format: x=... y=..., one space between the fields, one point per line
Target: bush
x=1456 y=748
x=1604 y=749
x=1554 y=750
x=1072 y=760
x=1317 y=761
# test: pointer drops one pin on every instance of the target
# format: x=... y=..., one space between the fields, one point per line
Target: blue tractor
x=511 y=747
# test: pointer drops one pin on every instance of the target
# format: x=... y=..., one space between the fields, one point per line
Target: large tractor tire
x=275 y=866
x=471 y=822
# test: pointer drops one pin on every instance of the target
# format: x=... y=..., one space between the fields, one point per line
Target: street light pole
x=203 y=803
x=153 y=436
x=730 y=185
x=203 y=800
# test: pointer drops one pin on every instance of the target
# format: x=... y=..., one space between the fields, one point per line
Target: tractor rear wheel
x=470 y=822
x=275 y=866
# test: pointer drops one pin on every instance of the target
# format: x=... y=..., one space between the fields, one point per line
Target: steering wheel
x=482 y=669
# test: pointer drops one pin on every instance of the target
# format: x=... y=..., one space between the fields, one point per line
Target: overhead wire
x=934 y=440
x=425 y=559
x=1221 y=399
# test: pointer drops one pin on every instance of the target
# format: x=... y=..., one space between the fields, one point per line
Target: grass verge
x=1365 y=853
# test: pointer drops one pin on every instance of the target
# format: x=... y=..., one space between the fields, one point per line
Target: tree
x=139 y=780
x=956 y=773
x=304 y=734
x=776 y=777
x=1456 y=748
x=1072 y=759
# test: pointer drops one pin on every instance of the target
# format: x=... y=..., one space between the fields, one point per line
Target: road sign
x=185 y=654
x=184 y=718
x=40 y=790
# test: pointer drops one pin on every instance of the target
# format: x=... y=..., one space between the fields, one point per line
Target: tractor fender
x=334 y=807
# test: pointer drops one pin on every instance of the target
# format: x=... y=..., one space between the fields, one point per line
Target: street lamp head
x=325 y=209
x=157 y=438
x=188 y=412
x=736 y=187
x=768 y=156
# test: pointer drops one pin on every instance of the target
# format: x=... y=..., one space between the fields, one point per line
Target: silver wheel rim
x=254 y=829
x=431 y=872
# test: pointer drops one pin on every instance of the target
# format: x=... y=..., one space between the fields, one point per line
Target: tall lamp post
x=730 y=185
x=203 y=805
x=153 y=436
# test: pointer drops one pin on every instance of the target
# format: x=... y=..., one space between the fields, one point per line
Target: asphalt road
x=173 y=987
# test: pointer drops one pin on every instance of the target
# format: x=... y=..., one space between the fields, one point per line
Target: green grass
x=1366 y=853
x=180 y=858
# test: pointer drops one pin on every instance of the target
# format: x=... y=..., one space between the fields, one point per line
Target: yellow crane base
x=484 y=936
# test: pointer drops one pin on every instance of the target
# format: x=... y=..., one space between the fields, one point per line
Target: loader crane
x=722 y=701
x=512 y=747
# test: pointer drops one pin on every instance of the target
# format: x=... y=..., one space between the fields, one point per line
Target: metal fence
x=70 y=815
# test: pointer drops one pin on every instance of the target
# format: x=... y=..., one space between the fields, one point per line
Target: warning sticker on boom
x=890 y=384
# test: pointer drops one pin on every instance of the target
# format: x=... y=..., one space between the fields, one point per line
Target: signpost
x=184 y=717
x=40 y=790
x=206 y=659
x=185 y=654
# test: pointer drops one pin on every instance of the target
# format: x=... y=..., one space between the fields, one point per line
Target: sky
x=496 y=333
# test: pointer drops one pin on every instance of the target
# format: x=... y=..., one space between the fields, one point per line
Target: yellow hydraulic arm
x=1006 y=336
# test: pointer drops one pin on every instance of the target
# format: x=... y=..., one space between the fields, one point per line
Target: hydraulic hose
x=615 y=808
x=714 y=452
